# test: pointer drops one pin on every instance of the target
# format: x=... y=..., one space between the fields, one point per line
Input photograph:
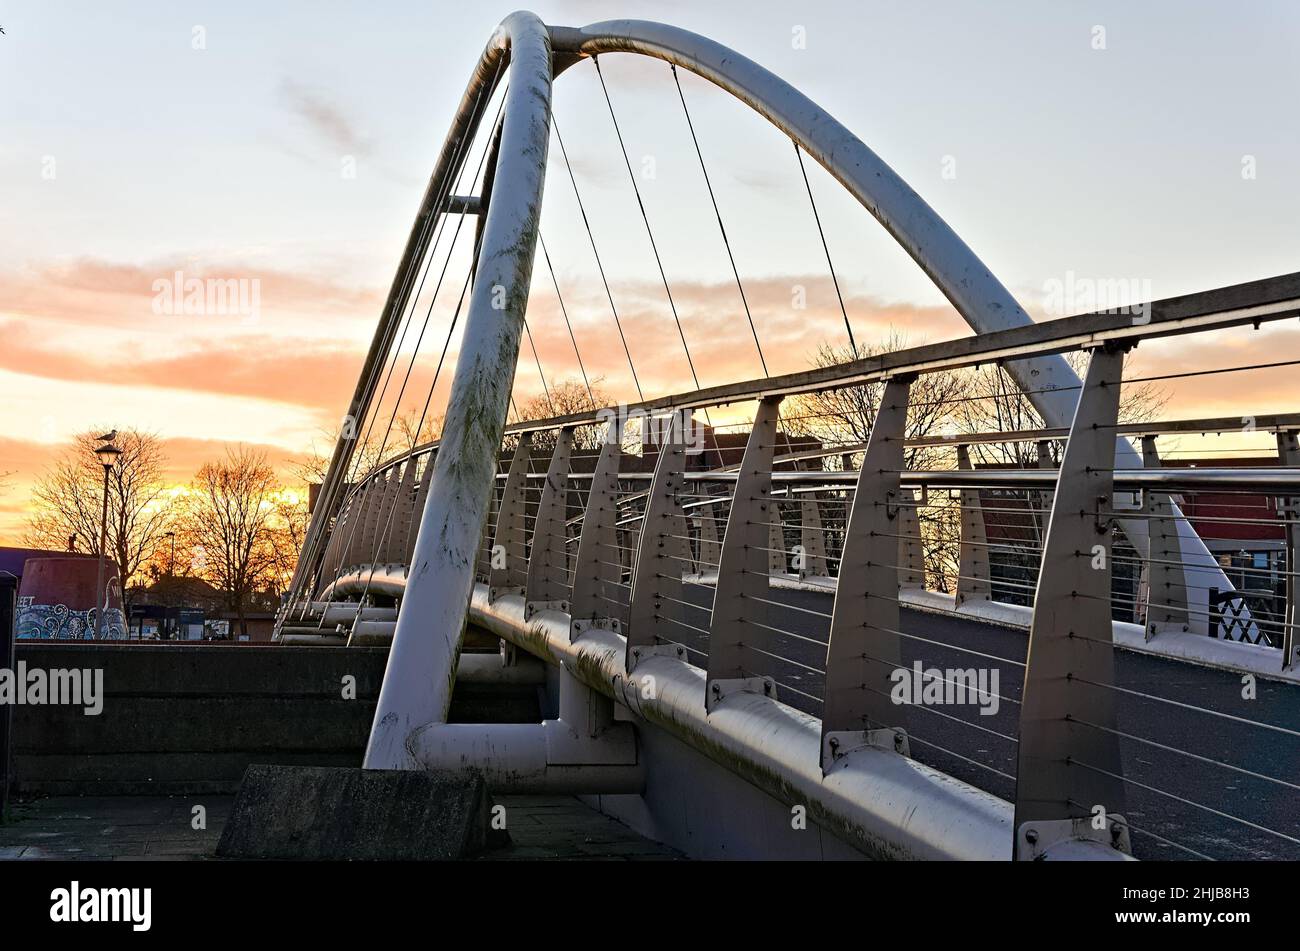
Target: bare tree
x=229 y=526
x=844 y=416
x=312 y=467
x=566 y=398
x=995 y=403
x=288 y=526
x=417 y=430
x=67 y=502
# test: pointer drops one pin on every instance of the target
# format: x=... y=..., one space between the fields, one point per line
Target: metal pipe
x=886 y=805
x=430 y=623
x=513 y=758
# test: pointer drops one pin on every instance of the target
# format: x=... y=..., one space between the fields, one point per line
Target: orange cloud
x=300 y=371
x=103 y=294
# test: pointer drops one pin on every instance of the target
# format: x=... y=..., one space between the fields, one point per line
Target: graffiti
x=59 y=622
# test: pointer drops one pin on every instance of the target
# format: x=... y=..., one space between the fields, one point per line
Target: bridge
x=758 y=642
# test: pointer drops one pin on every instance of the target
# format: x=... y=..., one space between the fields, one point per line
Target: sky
x=282 y=147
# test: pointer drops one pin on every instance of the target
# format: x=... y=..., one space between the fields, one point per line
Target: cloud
x=106 y=294
x=324 y=118
x=304 y=372
x=716 y=329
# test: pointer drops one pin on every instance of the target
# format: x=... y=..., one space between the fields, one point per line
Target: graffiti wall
x=59 y=622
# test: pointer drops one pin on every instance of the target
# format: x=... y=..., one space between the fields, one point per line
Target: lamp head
x=108 y=455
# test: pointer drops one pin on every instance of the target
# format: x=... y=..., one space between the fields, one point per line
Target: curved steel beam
x=1049 y=383
x=430 y=623
x=980 y=298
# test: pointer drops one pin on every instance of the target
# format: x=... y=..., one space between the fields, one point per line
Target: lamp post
x=171 y=579
x=107 y=456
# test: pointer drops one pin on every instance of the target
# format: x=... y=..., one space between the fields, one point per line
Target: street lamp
x=107 y=455
x=171 y=580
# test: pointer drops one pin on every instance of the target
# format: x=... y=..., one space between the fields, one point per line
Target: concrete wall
x=188 y=719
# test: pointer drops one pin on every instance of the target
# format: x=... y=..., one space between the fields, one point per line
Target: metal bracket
x=911 y=550
x=720 y=690
x=1036 y=840
x=840 y=743
x=392 y=546
x=710 y=545
x=645 y=651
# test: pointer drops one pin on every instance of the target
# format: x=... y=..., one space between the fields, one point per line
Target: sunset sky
x=128 y=155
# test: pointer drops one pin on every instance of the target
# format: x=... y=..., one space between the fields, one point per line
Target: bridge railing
x=842 y=583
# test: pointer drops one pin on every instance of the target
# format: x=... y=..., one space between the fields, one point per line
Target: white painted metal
x=873 y=799
x=430 y=625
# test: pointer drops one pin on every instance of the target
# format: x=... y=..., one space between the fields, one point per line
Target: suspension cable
x=565 y=311
x=654 y=247
x=599 y=266
x=718 y=214
x=798 y=153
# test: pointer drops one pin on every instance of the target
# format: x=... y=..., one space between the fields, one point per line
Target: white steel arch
x=417 y=685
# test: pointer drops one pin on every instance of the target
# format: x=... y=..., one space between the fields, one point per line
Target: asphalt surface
x=1175 y=802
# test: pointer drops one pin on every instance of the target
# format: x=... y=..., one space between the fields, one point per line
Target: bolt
x=1031 y=836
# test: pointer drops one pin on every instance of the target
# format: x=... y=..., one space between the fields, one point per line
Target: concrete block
x=334 y=813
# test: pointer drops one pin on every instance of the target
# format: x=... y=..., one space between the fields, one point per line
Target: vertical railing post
x=863 y=651
x=776 y=554
x=974 y=580
x=547 y=587
x=332 y=561
x=911 y=548
x=398 y=517
x=510 y=544
x=710 y=544
x=662 y=554
x=1070 y=779
x=418 y=508
x=1040 y=520
x=363 y=505
x=598 y=572
x=383 y=491
x=1288 y=451
x=483 y=565
x=743 y=567
x=812 y=536
x=1166 y=606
